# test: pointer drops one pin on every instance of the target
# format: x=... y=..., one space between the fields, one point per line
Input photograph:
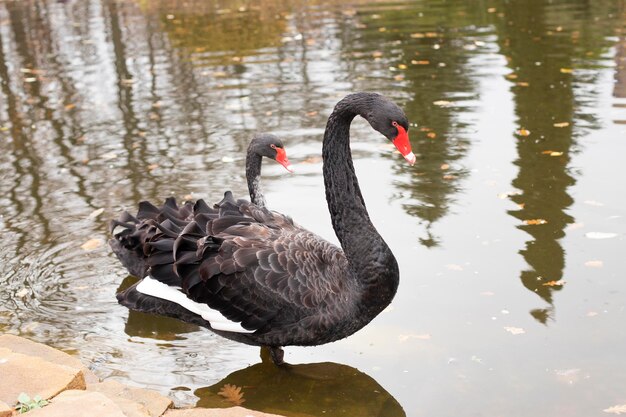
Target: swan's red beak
x=402 y=143
x=281 y=158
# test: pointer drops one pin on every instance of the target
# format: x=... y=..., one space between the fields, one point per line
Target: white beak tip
x=410 y=158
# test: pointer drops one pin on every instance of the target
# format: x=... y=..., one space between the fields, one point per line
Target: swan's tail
x=141 y=235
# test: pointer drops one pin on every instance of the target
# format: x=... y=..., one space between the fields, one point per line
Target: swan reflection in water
x=313 y=389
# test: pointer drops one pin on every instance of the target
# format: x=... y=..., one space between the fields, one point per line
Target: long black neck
x=253 y=176
x=369 y=257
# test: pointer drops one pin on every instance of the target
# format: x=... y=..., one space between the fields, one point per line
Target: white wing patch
x=152 y=287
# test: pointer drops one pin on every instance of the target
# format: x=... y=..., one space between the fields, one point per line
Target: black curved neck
x=253 y=176
x=368 y=255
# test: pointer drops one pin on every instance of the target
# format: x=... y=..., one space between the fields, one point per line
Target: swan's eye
x=273 y=146
x=394 y=124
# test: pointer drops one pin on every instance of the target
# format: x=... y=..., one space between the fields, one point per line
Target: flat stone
x=5 y=410
x=73 y=403
x=34 y=376
x=217 y=412
x=28 y=347
x=134 y=402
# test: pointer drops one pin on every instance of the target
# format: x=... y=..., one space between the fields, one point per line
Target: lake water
x=509 y=230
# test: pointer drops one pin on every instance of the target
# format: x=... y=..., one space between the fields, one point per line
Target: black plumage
x=283 y=284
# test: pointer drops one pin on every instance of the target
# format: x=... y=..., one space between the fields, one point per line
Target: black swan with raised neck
x=133 y=244
x=254 y=276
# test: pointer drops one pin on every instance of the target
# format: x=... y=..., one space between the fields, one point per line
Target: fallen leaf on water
x=566 y=70
x=561 y=124
x=523 y=132
x=95 y=213
x=420 y=62
x=514 y=330
x=417 y=35
x=554 y=283
x=70 y=106
x=405 y=337
x=533 y=222
x=377 y=54
x=444 y=166
x=616 y=409
x=311 y=113
x=152 y=167
x=552 y=153
x=402 y=66
x=594 y=264
x=232 y=393
x=91 y=244
x=522 y=84
x=511 y=76
x=600 y=235
x=431 y=135
x=442 y=103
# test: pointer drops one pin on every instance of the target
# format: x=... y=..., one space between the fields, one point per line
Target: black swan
x=128 y=245
x=253 y=276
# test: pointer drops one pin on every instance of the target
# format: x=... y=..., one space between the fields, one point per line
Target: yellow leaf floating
x=552 y=153
x=515 y=330
x=594 y=264
x=232 y=393
x=566 y=70
x=534 y=222
x=561 y=124
x=558 y=283
x=91 y=244
x=523 y=132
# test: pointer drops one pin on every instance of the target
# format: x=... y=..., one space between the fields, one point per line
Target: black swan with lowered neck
x=252 y=275
x=131 y=244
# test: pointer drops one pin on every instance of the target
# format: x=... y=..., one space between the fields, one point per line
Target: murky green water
x=509 y=231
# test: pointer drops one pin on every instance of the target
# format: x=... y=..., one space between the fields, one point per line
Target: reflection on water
x=105 y=103
x=312 y=389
